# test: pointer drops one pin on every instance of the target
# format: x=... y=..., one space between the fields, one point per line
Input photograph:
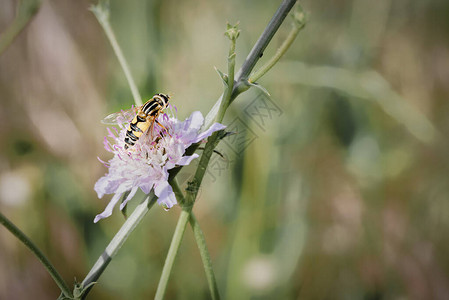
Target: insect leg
x=158 y=123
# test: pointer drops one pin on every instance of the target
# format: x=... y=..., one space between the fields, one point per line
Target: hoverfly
x=144 y=118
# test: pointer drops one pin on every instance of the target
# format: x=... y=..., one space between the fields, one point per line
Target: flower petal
x=108 y=210
x=130 y=196
x=165 y=193
x=146 y=164
x=185 y=160
x=107 y=185
x=207 y=133
x=146 y=187
x=195 y=121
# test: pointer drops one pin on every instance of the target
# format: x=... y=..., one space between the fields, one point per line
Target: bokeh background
x=335 y=187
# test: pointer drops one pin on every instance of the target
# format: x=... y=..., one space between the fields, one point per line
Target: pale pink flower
x=145 y=165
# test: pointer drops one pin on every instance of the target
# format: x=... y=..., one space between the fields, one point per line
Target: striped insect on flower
x=144 y=118
x=144 y=153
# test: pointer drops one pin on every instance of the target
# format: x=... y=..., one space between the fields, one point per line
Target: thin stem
x=117 y=241
x=298 y=24
x=201 y=243
x=174 y=247
x=217 y=114
x=253 y=57
x=265 y=38
x=37 y=252
x=232 y=91
x=101 y=12
x=205 y=256
x=192 y=189
x=26 y=11
x=194 y=185
x=233 y=34
x=177 y=190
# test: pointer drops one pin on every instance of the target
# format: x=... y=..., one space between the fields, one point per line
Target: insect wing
x=123 y=116
x=151 y=130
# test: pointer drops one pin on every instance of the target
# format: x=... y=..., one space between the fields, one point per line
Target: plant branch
x=232 y=33
x=205 y=256
x=101 y=12
x=177 y=190
x=253 y=57
x=192 y=190
x=217 y=114
x=174 y=247
x=201 y=243
x=38 y=253
x=26 y=11
x=116 y=243
x=233 y=88
x=298 y=23
x=265 y=38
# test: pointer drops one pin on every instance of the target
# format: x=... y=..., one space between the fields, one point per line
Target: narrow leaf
x=223 y=77
x=260 y=87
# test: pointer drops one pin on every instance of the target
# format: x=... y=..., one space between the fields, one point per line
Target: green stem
x=192 y=190
x=27 y=9
x=102 y=15
x=201 y=243
x=233 y=34
x=101 y=12
x=231 y=92
x=174 y=247
x=116 y=243
x=177 y=190
x=241 y=84
x=264 y=39
x=205 y=256
x=214 y=139
x=297 y=26
x=37 y=252
x=194 y=185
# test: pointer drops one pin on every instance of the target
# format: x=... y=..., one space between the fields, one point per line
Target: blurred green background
x=335 y=187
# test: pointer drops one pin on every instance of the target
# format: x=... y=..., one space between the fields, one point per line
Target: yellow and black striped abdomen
x=147 y=114
x=136 y=128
